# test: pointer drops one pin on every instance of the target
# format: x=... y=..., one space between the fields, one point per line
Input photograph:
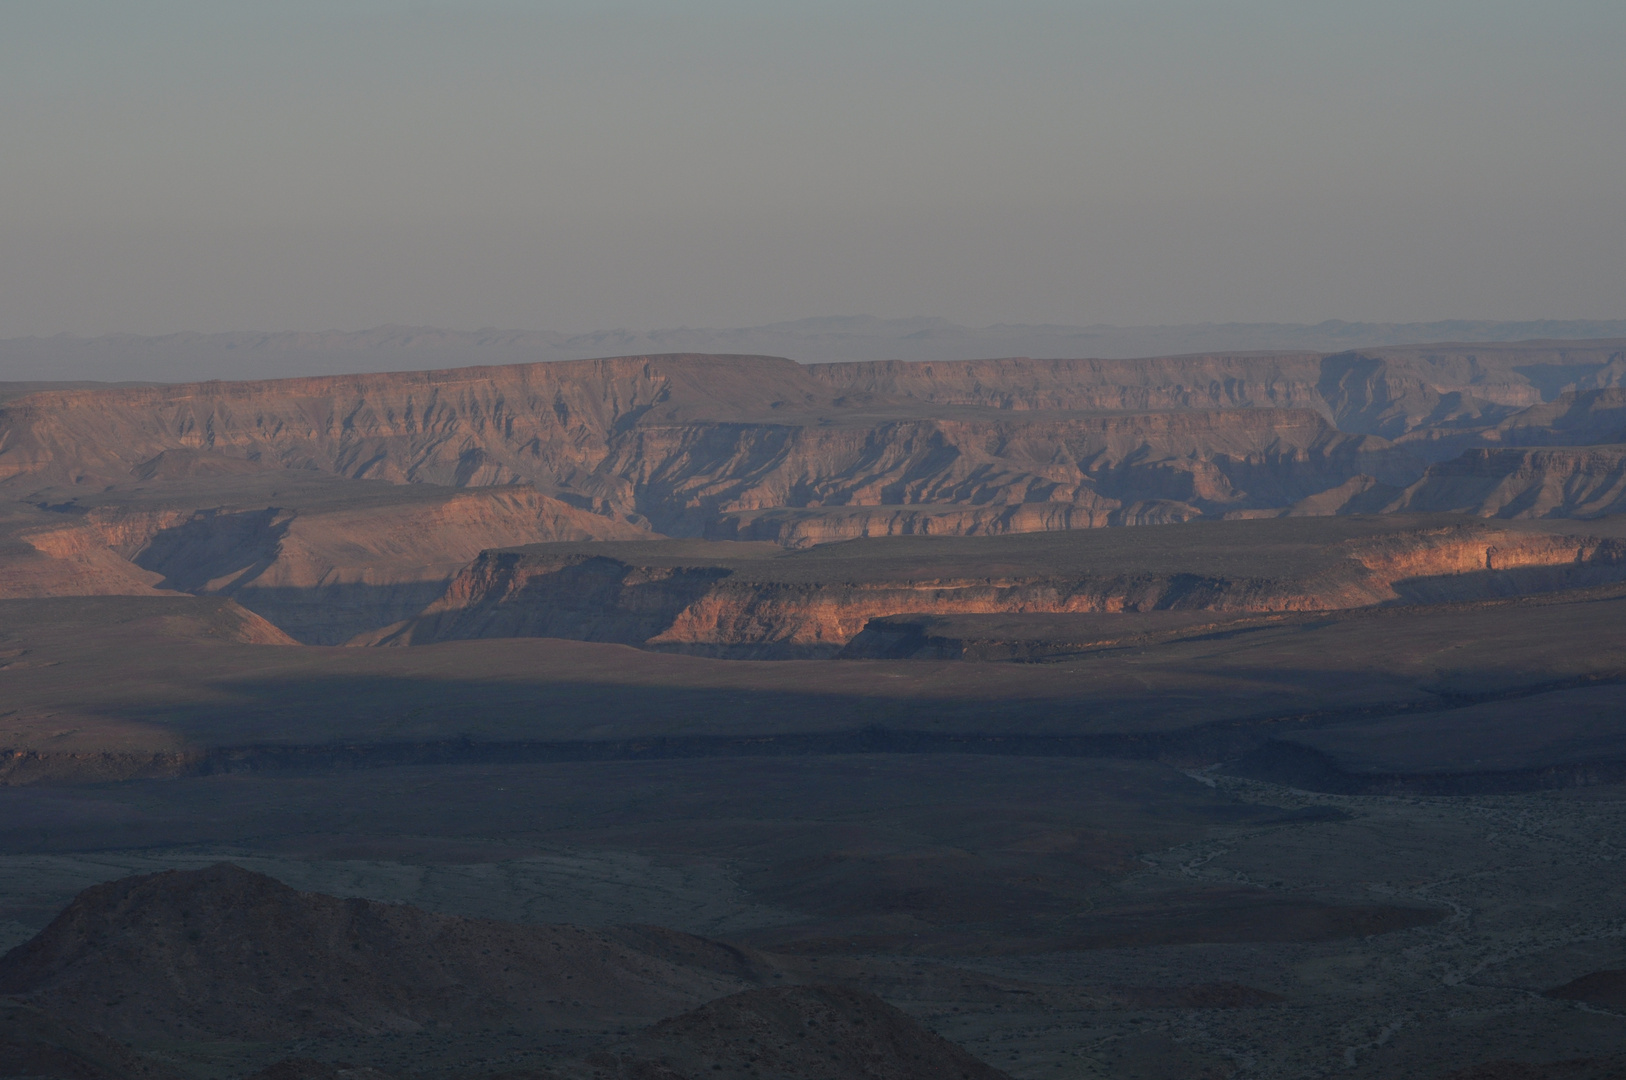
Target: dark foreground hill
x=225 y=953
x=186 y=957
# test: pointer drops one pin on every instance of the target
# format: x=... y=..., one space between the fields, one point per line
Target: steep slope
x=679 y=440
x=330 y=571
x=756 y=600
x=1574 y=418
x=1556 y=482
x=226 y=953
x=472 y=426
x=323 y=558
x=192 y=482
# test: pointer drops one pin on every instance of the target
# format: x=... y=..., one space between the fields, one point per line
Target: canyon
x=364 y=508
x=1249 y=715
x=759 y=601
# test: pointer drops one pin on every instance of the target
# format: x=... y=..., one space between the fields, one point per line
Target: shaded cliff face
x=755 y=600
x=324 y=559
x=681 y=439
x=1564 y=482
x=227 y=953
x=1575 y=418
x=338 y=506
x=330 y=572
x=468 y=427
x=1102 y=466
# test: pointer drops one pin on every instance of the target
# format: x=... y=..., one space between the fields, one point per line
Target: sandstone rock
x=1567 y=482
x=250 y=489
x=755 y=600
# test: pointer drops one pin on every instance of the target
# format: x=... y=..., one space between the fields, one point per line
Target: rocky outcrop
x=226 y=953
x=1575 y=418
x=680 y=440
x=467 y=427
x=755 y=601
x=146 y=489
x=1564 y=482
x=328 y=573
x=325 y=565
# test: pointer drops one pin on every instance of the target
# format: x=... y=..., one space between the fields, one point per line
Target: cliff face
x=335 y=506
x=1575 y=418
x=331 y=572
x=324 y=566
x=798 y=528
x=469 y=427
x=761 y=603
x=682 y=439
x=679 y=440
x=1566 y=482
x=686 y=477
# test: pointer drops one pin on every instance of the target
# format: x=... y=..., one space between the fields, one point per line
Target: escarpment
x=324 y=561
x=682 y=438
x=338 y=507
x=745 y=599
x=1558 y=482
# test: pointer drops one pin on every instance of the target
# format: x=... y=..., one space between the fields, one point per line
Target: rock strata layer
x=755 y=600
x=337 y=507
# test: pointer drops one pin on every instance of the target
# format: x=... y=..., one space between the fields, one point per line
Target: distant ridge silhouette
x=184 y=357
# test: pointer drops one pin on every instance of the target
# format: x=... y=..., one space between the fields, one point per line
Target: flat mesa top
x=1271 y=548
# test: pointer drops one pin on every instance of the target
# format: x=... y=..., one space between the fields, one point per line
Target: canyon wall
x=1588 y=481
x=336 y=506
x=680 y=440
x=323 y=565
x=762 y=603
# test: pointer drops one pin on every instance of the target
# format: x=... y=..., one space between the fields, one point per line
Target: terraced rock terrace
x=1245 y=717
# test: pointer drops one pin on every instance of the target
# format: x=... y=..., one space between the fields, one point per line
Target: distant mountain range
x=188 y=357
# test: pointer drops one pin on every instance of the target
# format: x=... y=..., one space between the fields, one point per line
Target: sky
x=573 y=166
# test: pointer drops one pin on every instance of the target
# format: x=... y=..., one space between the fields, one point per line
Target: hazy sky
x=282 y=164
